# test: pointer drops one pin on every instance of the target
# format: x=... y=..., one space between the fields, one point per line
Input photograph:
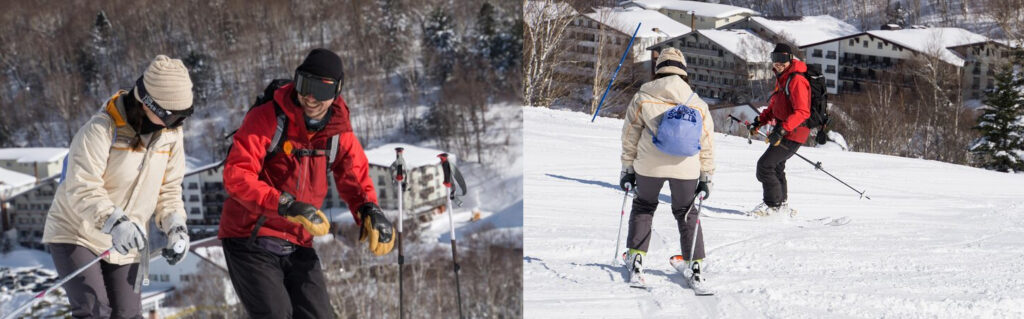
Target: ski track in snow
x=936 y=240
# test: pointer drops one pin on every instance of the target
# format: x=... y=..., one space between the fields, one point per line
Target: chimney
x=692 y=17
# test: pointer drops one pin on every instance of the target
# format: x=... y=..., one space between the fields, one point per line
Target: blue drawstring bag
x=679 y=131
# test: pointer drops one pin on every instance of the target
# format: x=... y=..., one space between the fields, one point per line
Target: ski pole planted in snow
x=622 y=215
x=56 y=285
x=453 y=181
x=609 y=88
x=398 y=167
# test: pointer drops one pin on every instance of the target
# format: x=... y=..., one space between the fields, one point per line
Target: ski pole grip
x=399 y=164
x=447 y=168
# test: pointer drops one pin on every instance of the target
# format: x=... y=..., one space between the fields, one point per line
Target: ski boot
x=634 y=260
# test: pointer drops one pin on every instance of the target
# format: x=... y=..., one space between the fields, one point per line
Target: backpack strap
x=277 y=139
x=333 y=153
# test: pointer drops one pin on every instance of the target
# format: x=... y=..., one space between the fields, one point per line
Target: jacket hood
x=669 y=89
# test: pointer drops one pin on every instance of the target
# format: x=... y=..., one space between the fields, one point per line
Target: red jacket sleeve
x=800 y=101
x=245 y=161
x=352 y=174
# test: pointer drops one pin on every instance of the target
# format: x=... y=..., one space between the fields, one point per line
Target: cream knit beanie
x=671 y=61
x=167 y=82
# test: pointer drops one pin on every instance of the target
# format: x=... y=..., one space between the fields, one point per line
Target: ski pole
x=57 y=285
x=609 y=88
x=817 y=166
x=622 y=215
x=446 y=167
x=399 y=169
x=741 y=123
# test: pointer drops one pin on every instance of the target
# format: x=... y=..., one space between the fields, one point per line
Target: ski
x=683 y=267
x=636 y=279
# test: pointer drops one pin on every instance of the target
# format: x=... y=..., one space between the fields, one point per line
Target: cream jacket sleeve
x=170 y=209
x=87 y=162
x=632 y=128
x=707 y=142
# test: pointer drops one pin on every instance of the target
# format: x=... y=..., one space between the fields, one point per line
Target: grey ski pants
x=103 y=290
x=771 y=172
x=642 y=214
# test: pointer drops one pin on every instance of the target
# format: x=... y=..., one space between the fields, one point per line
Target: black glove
x=305 y=214
x=627 y=177
x=376 y=228
x=704 y=185
x=753 y=127
x=776 y=137
x=287 y=206
x=822 y=138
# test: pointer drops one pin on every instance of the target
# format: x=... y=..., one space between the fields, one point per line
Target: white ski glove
x=125 y=234
x=177 y=244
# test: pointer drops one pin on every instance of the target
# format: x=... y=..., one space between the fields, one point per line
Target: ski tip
x=676 y=258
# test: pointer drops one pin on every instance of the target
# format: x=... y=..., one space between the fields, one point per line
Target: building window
x=865 y=44
x=894 y=48
x=193 y=186
x=851 y=42
x=193 y=198
x=830 y=83
x=830 y=69
x=879 y=45
x=831 y=55
x=817 y=53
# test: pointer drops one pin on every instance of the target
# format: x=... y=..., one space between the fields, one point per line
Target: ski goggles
x=321 y=88
x=171 y=119
x=781 y=57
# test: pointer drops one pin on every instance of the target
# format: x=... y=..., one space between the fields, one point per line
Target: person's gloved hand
x=753 y=127
x=627 y=177
x=376 y=228
x=177 y=245
x=125 y=234
x=821 y=138
x=704 y=185
x=776 y=137
x=303 y=213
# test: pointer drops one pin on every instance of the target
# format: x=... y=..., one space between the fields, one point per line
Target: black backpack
x=819 y=100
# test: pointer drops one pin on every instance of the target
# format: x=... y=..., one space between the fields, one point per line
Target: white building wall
x=829 y=61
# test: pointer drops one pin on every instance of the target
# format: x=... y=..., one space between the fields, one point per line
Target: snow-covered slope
x=936 y=240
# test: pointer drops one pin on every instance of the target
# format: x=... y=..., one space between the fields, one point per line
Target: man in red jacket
x=788 y=112
x=275 y=192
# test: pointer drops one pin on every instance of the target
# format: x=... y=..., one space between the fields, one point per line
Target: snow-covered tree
x=1001 y=146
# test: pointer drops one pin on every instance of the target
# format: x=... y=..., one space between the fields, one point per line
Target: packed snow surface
x=936 y=240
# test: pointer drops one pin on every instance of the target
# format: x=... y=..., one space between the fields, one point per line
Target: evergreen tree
x=1001 y=145
x=441 y=43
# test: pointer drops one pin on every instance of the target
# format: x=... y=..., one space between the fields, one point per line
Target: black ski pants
x=103 y=290
x=273 y=286
x=771 y=172
x=646 y=202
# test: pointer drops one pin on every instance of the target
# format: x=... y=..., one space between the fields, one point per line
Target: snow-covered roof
x=810 y=29
x=33 y=154
x=415 y=156
x=742 y=43
x=932 y=40
x=625 y=20
x=700 y=8
x=13 y=180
